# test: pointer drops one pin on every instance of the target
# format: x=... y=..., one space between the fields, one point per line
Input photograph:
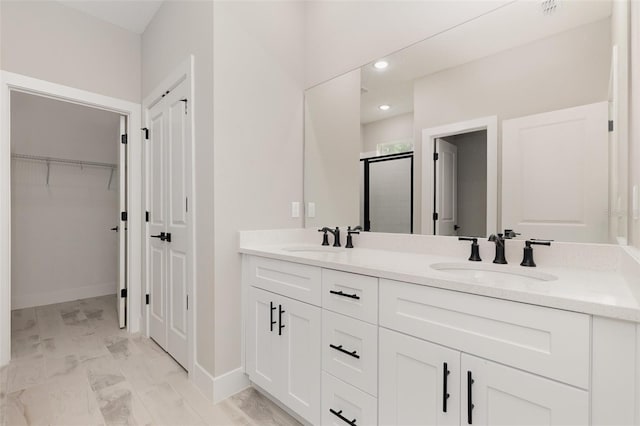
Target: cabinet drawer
x=350 y=294
x=300 y=282
x=350 y=350
x=343 y=404
x=545 y=341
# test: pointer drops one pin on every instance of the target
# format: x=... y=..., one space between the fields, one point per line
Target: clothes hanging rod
x=50 y=160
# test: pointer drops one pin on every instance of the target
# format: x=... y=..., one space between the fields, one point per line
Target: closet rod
x=63 y=161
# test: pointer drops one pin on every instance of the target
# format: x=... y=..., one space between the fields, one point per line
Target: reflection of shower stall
x=386 y=196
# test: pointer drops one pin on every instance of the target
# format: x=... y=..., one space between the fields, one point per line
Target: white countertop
x=603 y=292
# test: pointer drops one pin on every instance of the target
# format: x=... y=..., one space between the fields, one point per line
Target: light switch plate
x=311 y=209
x=295 y=209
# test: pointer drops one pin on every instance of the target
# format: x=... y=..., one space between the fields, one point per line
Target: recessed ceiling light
x=384 y=107
x=380 y=65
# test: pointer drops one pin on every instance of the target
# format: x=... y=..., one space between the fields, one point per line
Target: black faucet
x=527 y=259
x=499 y=240
x=475 y=248
x=325 y=236
x=336 y=236
x=349 y=237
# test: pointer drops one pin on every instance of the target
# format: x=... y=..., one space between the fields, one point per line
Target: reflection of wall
x=568 y=69
x=62 y=246
x=332 y=150
x=387 y=130
x=634 y=140
x=472 y=182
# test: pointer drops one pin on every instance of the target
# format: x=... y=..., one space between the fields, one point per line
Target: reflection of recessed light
x=384 y=107
x=380 y=65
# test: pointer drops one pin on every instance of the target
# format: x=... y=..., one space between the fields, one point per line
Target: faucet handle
x=509 y=233
x=355 y=230
x=527 y=259
x=475 y=248
x=325 y=237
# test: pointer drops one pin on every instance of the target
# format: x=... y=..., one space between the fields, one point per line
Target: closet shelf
x=63 y=161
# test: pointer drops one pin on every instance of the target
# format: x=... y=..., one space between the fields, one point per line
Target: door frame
x=429 y=135
x=183 y=72
x=20 y=83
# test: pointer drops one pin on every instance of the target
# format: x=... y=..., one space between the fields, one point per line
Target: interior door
x=415 y=378
x=169 y=186
x=122 y=228
x=555 y=174
x=446 y=188
x=505 y=396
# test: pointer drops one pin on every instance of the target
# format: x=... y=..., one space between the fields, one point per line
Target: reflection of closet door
x=169 y=187
x=122 y=228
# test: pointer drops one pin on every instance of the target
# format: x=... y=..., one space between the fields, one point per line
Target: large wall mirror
x=516 y=119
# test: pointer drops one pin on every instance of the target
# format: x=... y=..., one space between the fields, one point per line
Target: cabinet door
x=264 y=346
x=505 y=396
x=413 y=382
x=301 y=357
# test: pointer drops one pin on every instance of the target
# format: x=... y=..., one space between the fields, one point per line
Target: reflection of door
x=122 y=228
x=554 y=174
x=446 y=188
x=388 y=193
x=168 y=231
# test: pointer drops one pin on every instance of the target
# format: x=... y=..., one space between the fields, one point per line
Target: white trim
x=428 y=139
x=229 y=384
x=202 y=380
x=29 y=300
x=16 y=82
x=185 y=71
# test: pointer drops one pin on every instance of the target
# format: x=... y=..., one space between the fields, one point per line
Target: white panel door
x=264 y=359
x=555 y=174
x=505 y=396
x=301 y=356
x=446 y=196
x=169 y=239
x=413 y=377
x=390 y=186
x=122 y=228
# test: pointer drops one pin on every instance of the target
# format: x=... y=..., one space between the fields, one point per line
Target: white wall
x=343 y=35
x=634 y=114
x=332 y=151
x=49 y=41
x=62 y=245
x=565 y=70
x=178 y=29
x=387 y=130
x=258 y=118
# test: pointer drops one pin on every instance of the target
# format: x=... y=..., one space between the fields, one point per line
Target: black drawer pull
x=273 y=322
x=343 y=418
x=341 y=293
x=344 y=351
x=469 y=398
x=280 y=325
x=445 y=392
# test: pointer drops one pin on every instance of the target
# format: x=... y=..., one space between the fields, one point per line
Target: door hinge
x=146 y=299
x=187 y=302
x=123 y=216
x=186 y=204
x=147 y=215
x=436 y=156
x=123 y=292
x=124 y=138
x=611 y=125
x=146 y=133
x=185 y=104
x=435 y=216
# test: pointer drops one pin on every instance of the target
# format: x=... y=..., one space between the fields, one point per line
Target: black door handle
x=115 y=229
x=469 y=398
x=280 y=324
x=344 y=351
x=445 y=392
x=161 y=236
x=273 y=308
x=341 y=417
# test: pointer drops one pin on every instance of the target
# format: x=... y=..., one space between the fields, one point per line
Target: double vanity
x=403 y=330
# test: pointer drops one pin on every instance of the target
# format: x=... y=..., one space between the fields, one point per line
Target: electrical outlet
x=295 y=209
x=311 y=209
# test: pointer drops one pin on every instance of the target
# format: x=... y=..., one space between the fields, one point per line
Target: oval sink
x=489 y=273
x=314 y=249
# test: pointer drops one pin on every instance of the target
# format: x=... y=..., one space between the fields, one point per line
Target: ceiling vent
x=549 y=7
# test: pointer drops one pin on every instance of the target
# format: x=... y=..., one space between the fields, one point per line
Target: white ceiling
x=132 y=15
x=513 y=25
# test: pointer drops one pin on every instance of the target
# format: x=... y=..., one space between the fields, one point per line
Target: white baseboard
x=229 y=384
x=28 y=300
x=202 y=380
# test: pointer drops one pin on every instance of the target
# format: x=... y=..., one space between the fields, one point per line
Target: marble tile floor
x=72 y=365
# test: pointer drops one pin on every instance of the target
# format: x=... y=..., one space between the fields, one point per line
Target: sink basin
x=315 y=249
x=488 y=273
